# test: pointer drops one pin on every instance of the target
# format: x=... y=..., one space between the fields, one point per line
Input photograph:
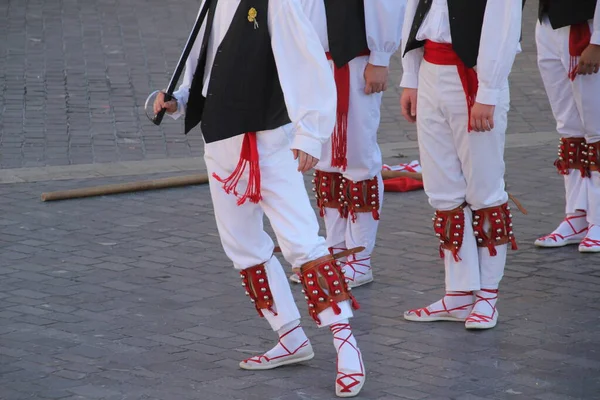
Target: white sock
x=349 y=360
x=291 y=339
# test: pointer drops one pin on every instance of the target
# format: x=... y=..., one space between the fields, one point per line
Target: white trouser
x=364 y=162
x=576 y=108
x=284 y=201
x=460 y=166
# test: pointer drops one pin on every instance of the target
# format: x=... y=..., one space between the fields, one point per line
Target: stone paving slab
x=131 y=297
x=75 y=74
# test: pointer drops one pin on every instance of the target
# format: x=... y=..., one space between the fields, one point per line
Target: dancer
x=359 y=37
x=457 y=58
x=568 y=44
x=259 y=84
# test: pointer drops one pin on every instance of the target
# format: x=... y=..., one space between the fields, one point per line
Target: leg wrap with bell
x=449 y=229
x=361 y=197
x=327 y=188
x=324 y=286
x=255 y=280
x=493 y=227
x=572 y=154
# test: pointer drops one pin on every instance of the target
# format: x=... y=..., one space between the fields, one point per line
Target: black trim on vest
x=563 y=13
x=466 y=23
x=346 y=29
x=244 y=93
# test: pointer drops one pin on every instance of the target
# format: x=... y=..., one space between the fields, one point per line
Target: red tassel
x=579 y=38
x=336 y=309
x=376 y=215
x=339 y=139
x=248 y=157
x=456 y=256
x=355 y=304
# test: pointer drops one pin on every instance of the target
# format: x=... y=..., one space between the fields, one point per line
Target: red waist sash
x=444 y=54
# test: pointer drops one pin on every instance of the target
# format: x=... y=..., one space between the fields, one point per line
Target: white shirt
x=596 y=27
x=383 y=22
x=304 y=72
x=497 y=50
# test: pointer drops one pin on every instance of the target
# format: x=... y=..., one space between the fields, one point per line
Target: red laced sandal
x=589 y=244
x=570 y=231
x=281 y=354
x=478 y=319
x=439 y=311
x=350 y=378
x=358 y=271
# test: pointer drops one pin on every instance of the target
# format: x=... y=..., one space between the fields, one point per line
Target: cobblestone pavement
x=131 y=297
x=74 y=75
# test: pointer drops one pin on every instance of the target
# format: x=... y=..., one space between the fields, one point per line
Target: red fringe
x=339 y=139
x=248 y=158
x=579 y=38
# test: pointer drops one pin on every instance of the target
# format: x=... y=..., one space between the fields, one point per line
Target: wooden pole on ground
x=164 y=183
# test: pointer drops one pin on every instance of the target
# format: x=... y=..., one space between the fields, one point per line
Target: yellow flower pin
x=252 y=13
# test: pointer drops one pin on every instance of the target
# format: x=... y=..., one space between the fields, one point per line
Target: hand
x=408 y=104
x=306 y=162
x=482 y=117
x=159 y=104
x=375 y=79
x=589 y=62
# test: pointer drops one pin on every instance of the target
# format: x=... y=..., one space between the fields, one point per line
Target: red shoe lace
x=420 y=311
x=554 y=236
x=265 y=358
x=336 y=329
x=588 y=242
x=359 y=262
x=480 y=318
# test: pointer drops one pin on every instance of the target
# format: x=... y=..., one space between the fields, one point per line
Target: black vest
x=244 y=92
x=346 y=29
x=563 y=13
x=466 y=22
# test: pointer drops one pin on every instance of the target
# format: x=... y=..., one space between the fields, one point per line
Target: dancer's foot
x=484 y=314
x=572 y=230
x=454 y=306
x=293 y=347
x=351 y=374
x=358 y=271
x=591 y=242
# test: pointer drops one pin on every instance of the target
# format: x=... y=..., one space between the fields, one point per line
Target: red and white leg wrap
x=572 y=154
x=293 y=347
x=324 y=286
x=328 y=190
x=454 y=306
x=484 y=314
x=493 y=226
x=351 y=374
x=449 y=229
x=361 y=197
x=591 y=242
x=255 y=280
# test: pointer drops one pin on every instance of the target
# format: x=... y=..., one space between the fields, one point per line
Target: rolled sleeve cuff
x=307 y=144
x=380 y=58
x=487 y=96
x=409 y=81
x=596 y=38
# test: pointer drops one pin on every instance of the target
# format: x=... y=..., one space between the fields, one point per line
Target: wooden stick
x=174 y=181
x=164 y=183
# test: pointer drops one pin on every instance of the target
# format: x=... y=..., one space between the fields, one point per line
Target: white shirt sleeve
x=383 y=20
x=596 y=28
x=498 y=47
x=182 y=94
x=305 y=76
x=411 y=62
